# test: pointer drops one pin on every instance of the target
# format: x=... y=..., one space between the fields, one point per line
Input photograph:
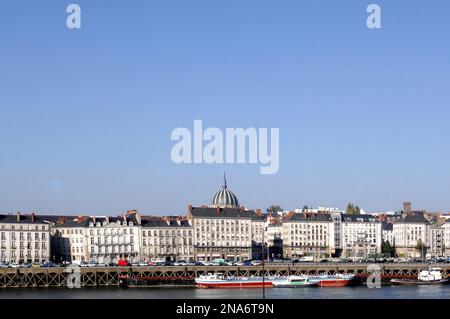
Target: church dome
x=224 y=197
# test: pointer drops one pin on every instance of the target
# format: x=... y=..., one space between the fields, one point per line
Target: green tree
x=352 y=209
x=274 y=209
x=388 y=249
x=420 y=247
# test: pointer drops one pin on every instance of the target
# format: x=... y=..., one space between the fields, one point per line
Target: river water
x=356 y=292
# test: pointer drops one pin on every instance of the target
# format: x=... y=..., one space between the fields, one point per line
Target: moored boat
x=338 y=280
x=220 y=281
x=431 y=276
x=295 y=282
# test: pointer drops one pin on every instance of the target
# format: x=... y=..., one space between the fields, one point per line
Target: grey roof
x=85 y=221
x=359 y=218
x=309 y=217
x=23 y=219
x=228 y=212
x=387 y=226
x=160 y=223
x=419 y=219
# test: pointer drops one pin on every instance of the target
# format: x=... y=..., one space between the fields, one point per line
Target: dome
x=224 y=197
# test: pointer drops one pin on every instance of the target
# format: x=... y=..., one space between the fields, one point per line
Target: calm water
x=358 y=292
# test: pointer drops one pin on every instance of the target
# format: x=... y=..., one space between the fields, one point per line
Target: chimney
x=18 y=216
x=107 y=219
x=125 y=218
x=33 y=217
x=138 y=217
x=218 y=210
x=94 y=219
x=190 y=208
x=258 y=212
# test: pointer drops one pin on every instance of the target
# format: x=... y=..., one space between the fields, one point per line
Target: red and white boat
x=338 y=280
x=220 y=281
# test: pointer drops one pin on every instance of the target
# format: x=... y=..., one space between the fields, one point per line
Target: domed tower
x=224 y=197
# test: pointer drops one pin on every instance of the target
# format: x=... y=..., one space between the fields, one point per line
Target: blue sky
x=86 y=115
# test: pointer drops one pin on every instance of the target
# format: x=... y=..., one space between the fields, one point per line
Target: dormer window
x=130 y=223
x=91 y=224
x=98 y=224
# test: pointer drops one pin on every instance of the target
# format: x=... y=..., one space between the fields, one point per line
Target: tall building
x=225 y=230
x=24 y=238
x=306 y=234
x=167 y=239
x=411 y=236
x=407 y=207
x=361 y=235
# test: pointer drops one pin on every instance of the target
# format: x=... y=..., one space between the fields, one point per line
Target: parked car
x=102 y=265
x=47 y=264
x=35 y=265
x=83 y=264
x=112 y=265
x=25 y=265
x=180 y=263
x=123 y=263
x=143 y=264
x=92 y=264
x=4 y=265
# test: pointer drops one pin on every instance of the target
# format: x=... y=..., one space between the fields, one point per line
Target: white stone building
x=436 y=240
x=24 y=238
x=308 y=235
x=411 y=236
x=361 y=235
x=167 y=239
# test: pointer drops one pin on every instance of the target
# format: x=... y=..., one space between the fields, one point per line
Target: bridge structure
x=111 y=276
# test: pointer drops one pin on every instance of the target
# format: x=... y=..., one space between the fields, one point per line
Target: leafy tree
x=274 y=209
x=352 y=209
x=421 y=247
x=388 y=249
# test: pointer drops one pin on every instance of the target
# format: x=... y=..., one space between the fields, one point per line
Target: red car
x=123 y=263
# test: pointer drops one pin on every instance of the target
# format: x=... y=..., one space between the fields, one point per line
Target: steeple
x=224 y=180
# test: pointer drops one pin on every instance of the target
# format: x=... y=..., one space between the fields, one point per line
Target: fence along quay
x=110 y=276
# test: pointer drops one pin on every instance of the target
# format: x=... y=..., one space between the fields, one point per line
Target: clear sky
x=86 y=115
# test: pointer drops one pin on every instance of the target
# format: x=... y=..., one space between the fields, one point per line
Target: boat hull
x=335 y=282
x=287 y=285
x=234 y=284
x=413 y=282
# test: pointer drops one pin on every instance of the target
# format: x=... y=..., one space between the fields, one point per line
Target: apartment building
x=361 y=235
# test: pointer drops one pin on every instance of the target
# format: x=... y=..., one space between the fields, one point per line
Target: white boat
x=221 y=281
x=431 y=276
x=295 y=282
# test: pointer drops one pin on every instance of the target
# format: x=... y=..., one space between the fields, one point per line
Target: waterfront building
x=274 y=240
x=361 y=235
x=24 y=238
x=226 y=230
x=411 y=235
x=436 y=239
x=387 y=233
x=306 y=234
x=102 y=239
x=169 y=238
x=447 y=237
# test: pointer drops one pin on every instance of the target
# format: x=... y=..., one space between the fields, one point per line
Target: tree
x=274 y=209
x=388 y=249
x=352 y=209
x=421 y=248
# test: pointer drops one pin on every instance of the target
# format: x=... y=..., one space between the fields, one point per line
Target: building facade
x=411 y=236
x=24 y=238
x=167 y=239
x=361 y=235
x=306 y=234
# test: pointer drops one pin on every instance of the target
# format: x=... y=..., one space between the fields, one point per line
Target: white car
x=180 y=263
x=14 y=265
x=143 y=264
